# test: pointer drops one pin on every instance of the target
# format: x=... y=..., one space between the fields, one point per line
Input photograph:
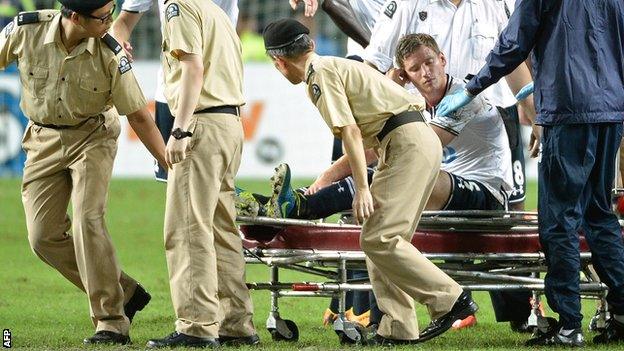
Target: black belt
x=57 y=126
x=232 y=110
x=398 y=120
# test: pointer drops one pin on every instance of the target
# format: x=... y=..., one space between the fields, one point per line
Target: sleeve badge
x=124 y=65
x=172 y=11
x=316 y=92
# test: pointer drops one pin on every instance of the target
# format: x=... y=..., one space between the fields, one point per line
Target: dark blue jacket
x=578 y=58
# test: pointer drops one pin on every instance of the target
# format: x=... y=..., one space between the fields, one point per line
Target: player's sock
x=330 y=200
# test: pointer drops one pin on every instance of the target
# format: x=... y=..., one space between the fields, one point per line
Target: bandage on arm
x=341 y=12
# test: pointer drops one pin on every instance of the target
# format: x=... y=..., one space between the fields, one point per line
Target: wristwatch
x=178 y=133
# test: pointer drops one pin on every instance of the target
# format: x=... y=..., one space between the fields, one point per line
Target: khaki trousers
x=409 y=161
x=202 y=243
x=76 y=164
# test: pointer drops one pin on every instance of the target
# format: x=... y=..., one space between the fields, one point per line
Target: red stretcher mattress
x=346 y=238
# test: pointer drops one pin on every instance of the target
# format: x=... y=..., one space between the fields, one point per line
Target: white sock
x=619 y=318
x=566 y=332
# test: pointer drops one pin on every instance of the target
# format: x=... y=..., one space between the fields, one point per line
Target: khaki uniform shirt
x=63 y=88
x=348 y=92
x=200 y=27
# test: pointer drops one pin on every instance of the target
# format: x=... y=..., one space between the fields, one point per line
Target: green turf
x=44 y=311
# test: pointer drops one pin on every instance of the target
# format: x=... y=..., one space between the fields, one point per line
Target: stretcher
x=481 y=250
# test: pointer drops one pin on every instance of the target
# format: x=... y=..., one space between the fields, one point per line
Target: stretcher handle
x=305 y=287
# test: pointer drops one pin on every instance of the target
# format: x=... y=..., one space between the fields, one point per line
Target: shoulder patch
x=316 y=93
x=173 y=10
x=390 y=9
x=27 y=18
x=112 y=43
x=124 y=65
x=422 y=15
x=9 y=28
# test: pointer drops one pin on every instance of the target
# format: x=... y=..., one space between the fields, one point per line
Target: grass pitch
x=45 y=312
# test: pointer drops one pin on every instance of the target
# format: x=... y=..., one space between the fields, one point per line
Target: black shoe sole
x=469 y=310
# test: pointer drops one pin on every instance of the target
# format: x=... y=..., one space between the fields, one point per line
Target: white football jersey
x=480 y=150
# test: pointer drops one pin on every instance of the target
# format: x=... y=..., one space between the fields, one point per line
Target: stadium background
x=281 y=125
x=43 y=311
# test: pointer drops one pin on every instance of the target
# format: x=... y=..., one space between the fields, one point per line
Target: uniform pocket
x=483 y=38
x=27 y=137
x=34 y=79
x=193 y=128
x=112 y=126
x=385 y=154
x=94 y=94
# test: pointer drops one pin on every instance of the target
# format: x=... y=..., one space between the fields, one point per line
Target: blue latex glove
x=525 y=91
x=452 y=103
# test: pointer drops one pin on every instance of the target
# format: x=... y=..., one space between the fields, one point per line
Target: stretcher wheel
x=349 y=333
x=597 y=322
x=349 y=339
x=593 y=325
x=285 y=330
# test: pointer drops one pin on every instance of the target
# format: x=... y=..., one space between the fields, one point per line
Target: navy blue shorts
x=512 y=126
x=470 y=195
x=164 y=122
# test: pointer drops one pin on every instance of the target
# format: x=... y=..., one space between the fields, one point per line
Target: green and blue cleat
x=283 y=198
x=247 y=205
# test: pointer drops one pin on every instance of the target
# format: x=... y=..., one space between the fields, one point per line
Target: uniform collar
x=91 y=45
x=54 y=31
x=308 y=68
x=53 y=35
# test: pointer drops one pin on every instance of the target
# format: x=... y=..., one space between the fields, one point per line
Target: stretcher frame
x=290 y=244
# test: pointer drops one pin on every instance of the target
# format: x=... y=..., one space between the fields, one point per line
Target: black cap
x=283 y=32
x=84 y=7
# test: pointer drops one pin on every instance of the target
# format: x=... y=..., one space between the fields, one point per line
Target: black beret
x=283 y=32
x=84 y=7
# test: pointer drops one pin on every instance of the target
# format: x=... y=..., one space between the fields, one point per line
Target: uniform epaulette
x=35 y=17
x=27 y=18
x=112 y=43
